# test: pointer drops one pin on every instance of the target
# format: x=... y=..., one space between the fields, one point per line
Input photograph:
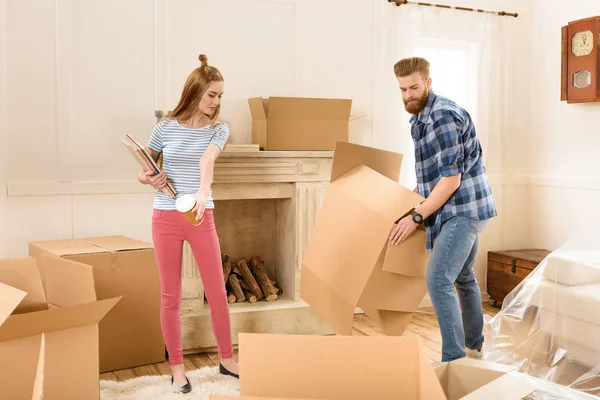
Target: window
x=453 y=70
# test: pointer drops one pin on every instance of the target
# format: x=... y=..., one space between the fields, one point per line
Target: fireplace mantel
x=283 y=191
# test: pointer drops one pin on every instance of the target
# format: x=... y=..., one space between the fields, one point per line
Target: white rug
x=205 y=382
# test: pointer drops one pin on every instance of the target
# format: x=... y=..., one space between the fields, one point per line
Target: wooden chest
x=506 y=269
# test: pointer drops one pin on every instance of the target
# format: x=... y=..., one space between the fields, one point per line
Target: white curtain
x=469 y=63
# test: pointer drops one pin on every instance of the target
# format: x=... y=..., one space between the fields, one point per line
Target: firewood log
x=234 y=283
x=276 y=286
x=249 y=278
x=262 y=277
x=235 y=269
x=244 y=286
x=231 y=297
x=250 y=297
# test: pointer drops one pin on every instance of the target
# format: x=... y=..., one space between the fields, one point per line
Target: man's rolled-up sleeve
x=448 y=146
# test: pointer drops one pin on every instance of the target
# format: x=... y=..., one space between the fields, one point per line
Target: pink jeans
x=169 y=230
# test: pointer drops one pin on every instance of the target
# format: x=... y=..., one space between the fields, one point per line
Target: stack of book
x=143 y=158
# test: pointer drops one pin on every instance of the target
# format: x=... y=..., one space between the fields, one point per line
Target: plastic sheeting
x=549 y=325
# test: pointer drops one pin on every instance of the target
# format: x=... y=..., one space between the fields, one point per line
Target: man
x=458 y=203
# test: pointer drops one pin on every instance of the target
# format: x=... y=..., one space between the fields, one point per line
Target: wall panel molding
x=564 y=182
x=20 y=189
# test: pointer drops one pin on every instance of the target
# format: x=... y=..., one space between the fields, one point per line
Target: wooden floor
x=423 y=324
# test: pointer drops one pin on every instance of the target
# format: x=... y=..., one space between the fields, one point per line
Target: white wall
x=564 y=138
x=93 y=71
x=75 y=76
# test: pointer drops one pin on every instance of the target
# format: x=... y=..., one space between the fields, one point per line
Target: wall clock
x=580 y=61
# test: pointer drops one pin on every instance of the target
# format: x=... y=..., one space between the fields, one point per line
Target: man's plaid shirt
x=446 y=144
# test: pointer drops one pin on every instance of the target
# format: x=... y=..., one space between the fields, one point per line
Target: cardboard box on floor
x=349 y=260
x=49 y=340
x=130 y=335
x=299 y=123
x=362 y=367
x=469 y=379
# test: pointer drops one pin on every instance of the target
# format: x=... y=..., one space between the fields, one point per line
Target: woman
x=190 y=140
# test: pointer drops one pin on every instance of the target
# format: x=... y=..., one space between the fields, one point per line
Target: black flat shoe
x=185 y=388
x=225 y=371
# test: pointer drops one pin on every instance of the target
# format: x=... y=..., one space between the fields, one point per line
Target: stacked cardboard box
x=299 y=123
x=130 y=335
x=49 y=338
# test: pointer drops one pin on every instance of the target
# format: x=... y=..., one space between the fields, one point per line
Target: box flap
x=349 y=155
x=469 y=364
x=10 y=298
x=117 y=243
x=68 y=283
x=331 y=367
x=309 y=108
x=409 y=258
x=507 y=386
x=376 y=193
x=23 y=274
x=392 y=323
x=56 y=319
x=328 y=303
x=392 y=292
x=257 y=108
x=38 y=384
x=20 y=365
x=429 y=385
x=66 y=247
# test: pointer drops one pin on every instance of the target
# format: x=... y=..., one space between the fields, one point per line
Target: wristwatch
x=417 y=218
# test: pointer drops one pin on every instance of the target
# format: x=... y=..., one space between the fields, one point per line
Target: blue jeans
x=450 y=266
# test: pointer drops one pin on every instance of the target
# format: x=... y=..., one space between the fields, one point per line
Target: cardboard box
x=360 y=367
x=469 y=379
x=299 y=123
x=130 y=335
x=349 y=256
x=49 y=342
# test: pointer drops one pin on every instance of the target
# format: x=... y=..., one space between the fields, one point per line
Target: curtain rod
x=420 y=3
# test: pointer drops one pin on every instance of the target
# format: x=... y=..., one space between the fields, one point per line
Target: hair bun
x=203 y=60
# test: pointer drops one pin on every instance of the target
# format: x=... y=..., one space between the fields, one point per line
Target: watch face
x=417 y=218
x=582 y=43
x=582 y=79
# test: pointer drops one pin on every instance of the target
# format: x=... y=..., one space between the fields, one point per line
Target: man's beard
x=415 y=106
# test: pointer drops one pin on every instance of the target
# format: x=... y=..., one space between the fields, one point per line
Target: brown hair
x=408 y=66
x=193 y=90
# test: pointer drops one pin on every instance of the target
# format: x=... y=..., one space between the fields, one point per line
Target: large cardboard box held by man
x=360 y=367
x=299 y=123
x=49 y=339
x=349 y=260
x=130 y=335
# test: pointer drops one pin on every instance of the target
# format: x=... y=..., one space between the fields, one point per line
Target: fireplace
x=266 y=204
